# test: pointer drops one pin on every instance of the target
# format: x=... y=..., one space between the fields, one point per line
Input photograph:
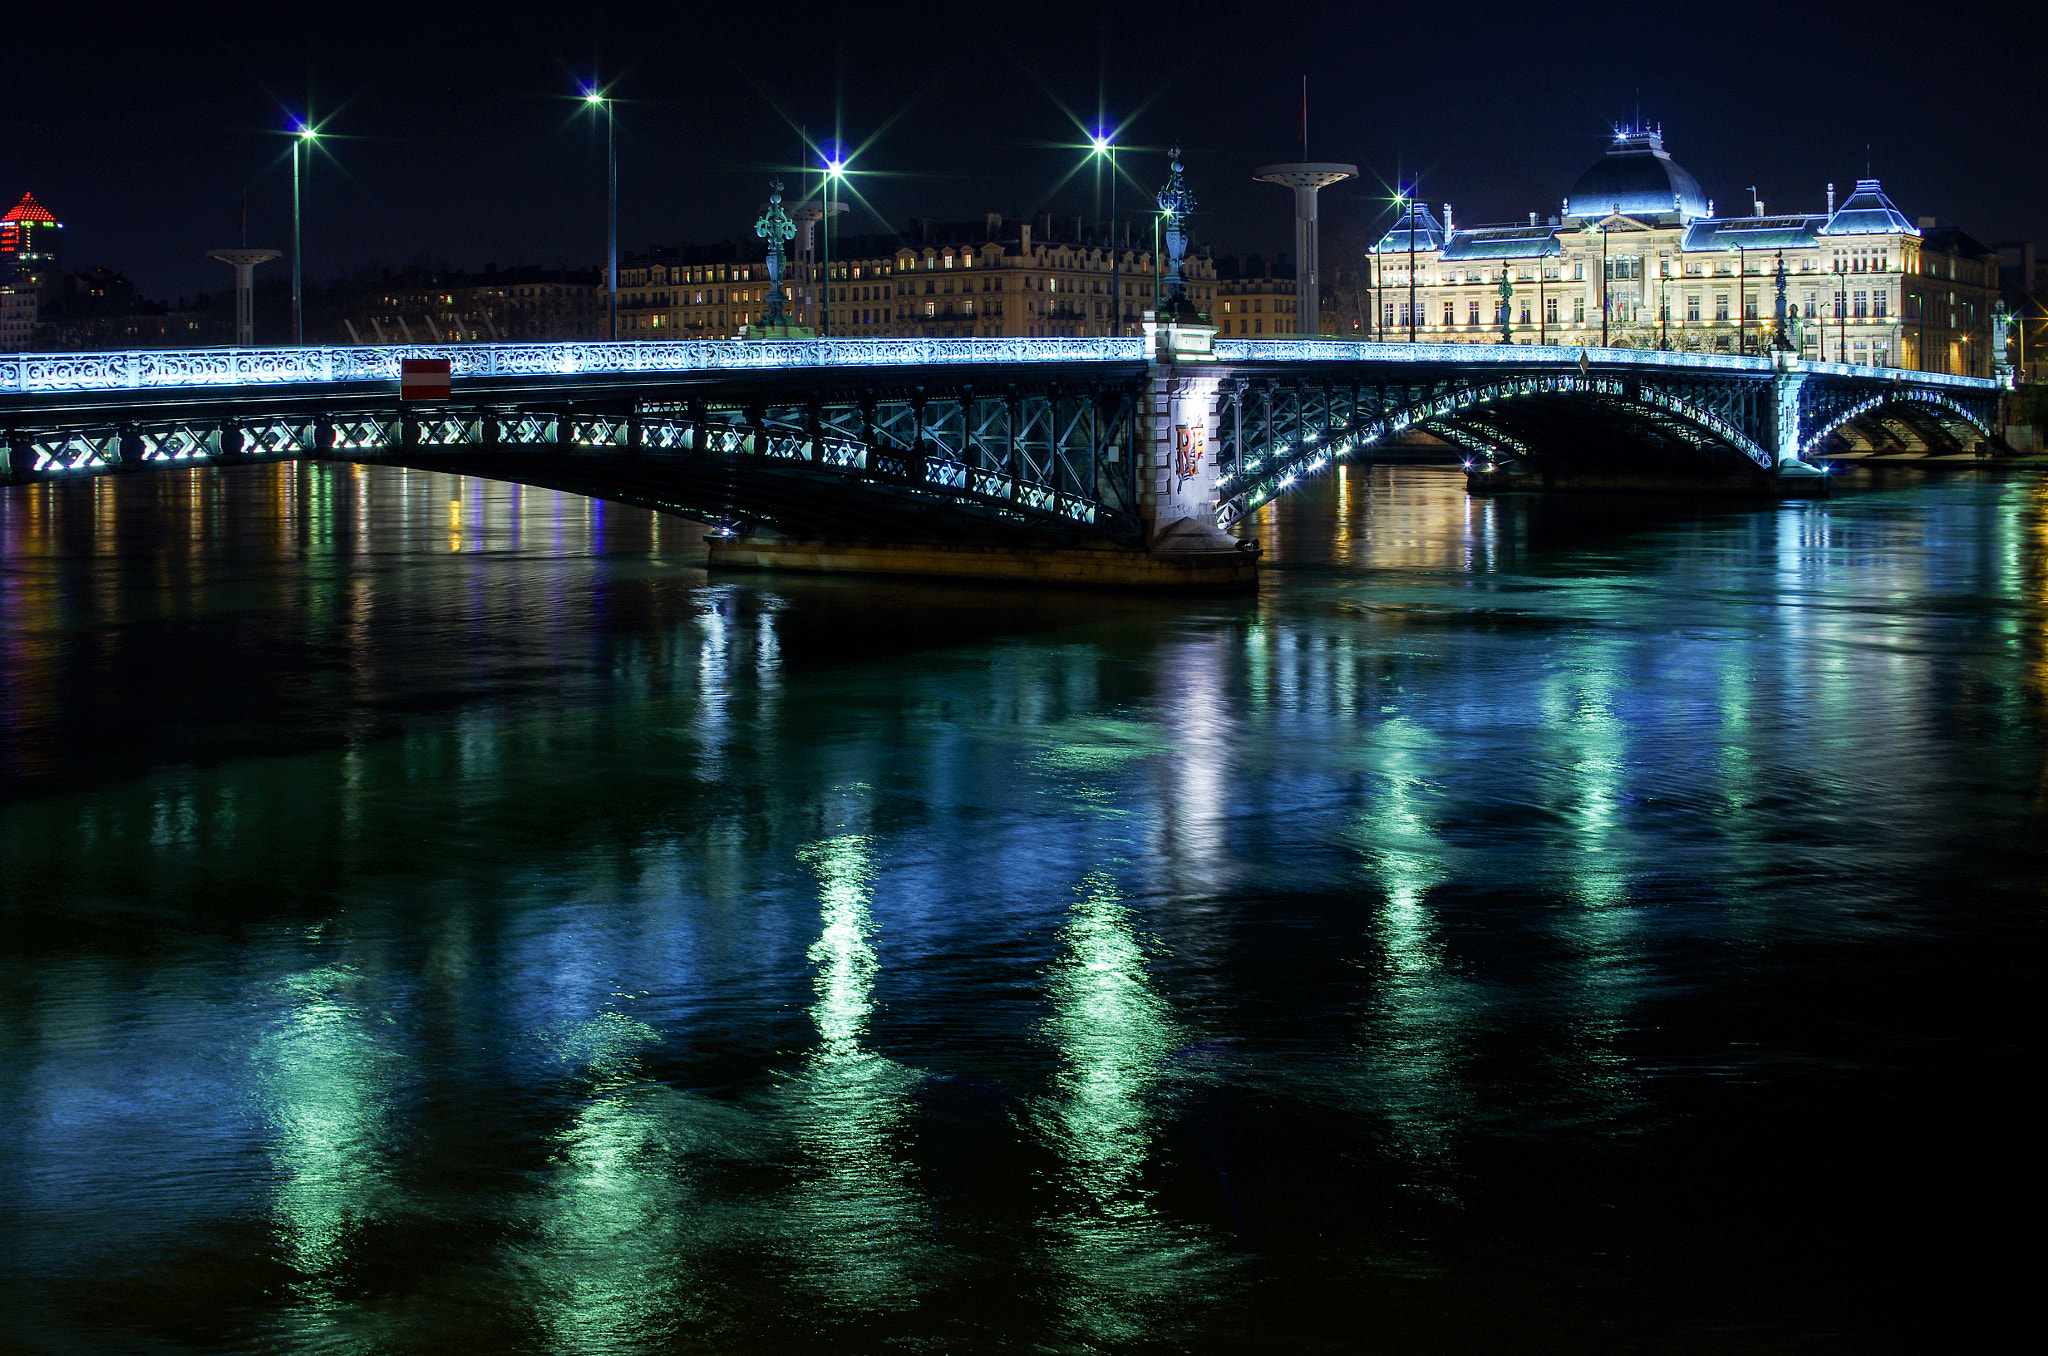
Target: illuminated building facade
x=1253 y=297
x=994 y=278
x=1637 y=258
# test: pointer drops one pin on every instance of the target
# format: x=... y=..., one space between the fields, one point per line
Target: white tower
x=1306 y=180
x=245 y=261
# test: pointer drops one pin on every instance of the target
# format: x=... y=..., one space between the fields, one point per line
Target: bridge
x=1140 y=446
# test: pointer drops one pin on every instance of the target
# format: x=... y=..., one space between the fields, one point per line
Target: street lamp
x=1841 y=316
x=835 y=170
x=1103 y=146
x=1741 y=305
x=594 y=96
x=302 y=138
x=1411 y=269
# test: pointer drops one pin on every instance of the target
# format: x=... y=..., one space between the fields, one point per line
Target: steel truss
x=1056 y=457
x=1274 y=432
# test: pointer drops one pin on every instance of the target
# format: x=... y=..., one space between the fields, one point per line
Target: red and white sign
x=423 y=378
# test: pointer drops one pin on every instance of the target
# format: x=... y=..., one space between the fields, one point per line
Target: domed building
x=1637 y=178
x=1637 y=259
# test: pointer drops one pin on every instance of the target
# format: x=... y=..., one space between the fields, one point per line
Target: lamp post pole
x=1842 y=314
x=596 y=97
x=302 y=137
x=298 y=310
x=1603 y=280
x=1412 y=201
x=1105 y=147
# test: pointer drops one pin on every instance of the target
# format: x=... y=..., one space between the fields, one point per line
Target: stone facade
x=1637 y=259
x=995 y=278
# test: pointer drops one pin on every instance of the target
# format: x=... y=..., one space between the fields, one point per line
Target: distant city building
x=1638 y=259
x=1253 y=296
x=17 y=319
x=421 y=305
x=999 y=276
x=29 y=250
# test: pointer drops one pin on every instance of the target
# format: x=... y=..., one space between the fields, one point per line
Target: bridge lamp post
x=1841 y=315
x=302 y=138
x=835 y=171
x=595 y=98
x=1412 y=204
x=1741 y=299
x=1103 y=146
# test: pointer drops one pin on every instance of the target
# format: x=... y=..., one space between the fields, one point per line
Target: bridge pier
x=1173 y=445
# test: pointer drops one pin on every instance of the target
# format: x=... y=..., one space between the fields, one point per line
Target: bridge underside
x=1900 y=429
x=1588 y=433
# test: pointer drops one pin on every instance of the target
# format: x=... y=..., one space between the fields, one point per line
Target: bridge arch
x=1935 y=417
x=1521 y=417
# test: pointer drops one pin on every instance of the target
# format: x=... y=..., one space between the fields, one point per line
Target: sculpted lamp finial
x=778 y=230
x=1175 y=202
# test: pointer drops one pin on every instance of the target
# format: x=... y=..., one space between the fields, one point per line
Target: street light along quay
x=835 y=170
x=303 y=135
x=595 y=97
x=1105 y=147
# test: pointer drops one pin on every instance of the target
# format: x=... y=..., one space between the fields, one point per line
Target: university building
x=1638 y=259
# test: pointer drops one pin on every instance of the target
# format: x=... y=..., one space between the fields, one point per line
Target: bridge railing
x=52 y=373
x=192 y=369
x=1359 y=350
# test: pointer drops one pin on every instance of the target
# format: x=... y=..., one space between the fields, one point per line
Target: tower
x=28 y=248
x=244 y=261
x=1306 y=179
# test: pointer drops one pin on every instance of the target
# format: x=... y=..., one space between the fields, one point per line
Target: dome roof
x=1639 y=177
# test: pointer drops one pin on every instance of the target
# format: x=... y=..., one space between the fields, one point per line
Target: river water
x=439 y=917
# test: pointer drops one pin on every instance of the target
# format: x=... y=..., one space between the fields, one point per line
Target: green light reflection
x=1129 y=1271
x=326 y=1075
x=855 y=1207
x=1414 y=1041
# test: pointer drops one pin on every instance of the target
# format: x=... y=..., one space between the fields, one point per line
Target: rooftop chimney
x=1532 y=218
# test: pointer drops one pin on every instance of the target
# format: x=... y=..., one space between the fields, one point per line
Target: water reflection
x=541 y=943
x=1129 y=1269
x=328 y=1070
x=854 y=1204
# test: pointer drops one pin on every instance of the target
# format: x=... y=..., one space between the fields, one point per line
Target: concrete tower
x=1307 y=180
x=245 y=261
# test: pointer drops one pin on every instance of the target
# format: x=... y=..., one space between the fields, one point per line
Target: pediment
x=1616 y=221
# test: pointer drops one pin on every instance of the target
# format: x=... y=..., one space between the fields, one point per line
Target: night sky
x=455 y=132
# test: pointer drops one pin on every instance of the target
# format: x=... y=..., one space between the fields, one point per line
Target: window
x=1749 y=305
x=1550 y=310
x=1881 y=303
x=1472 y=314
x=1862 y=305
x=1578 y=270
x=1578 y=310
x=1387 y=316
x=1720 y=305
x=1450 y=314
x=1841 y=305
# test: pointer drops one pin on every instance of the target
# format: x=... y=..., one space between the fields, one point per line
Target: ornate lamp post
x=1176 y=200
x=1507 y=293
x=1782 y=342
x=778 y=230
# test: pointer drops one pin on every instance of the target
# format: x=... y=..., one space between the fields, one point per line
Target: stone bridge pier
x=1174 y=444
